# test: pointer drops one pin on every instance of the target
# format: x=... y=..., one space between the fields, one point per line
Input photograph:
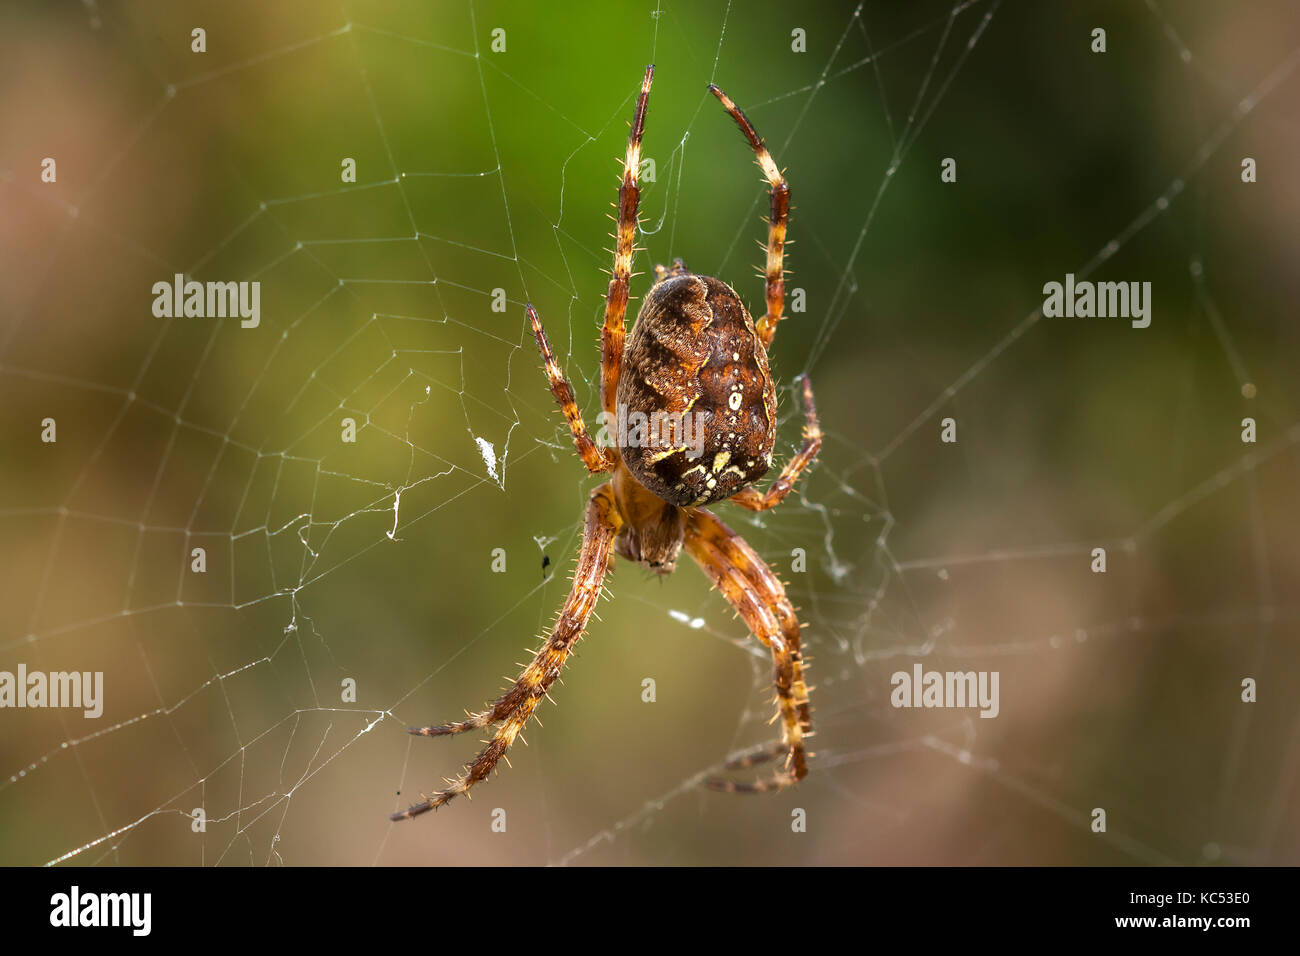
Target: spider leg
x=591 y=455
x=518 y=704
x=757 y=755
x=777 y=221
x=614 y=331
x=758 y=595
x=812 y=443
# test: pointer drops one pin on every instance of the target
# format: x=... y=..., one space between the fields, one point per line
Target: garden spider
x=696 y=371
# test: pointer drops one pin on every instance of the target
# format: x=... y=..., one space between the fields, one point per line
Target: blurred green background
x=480 y=170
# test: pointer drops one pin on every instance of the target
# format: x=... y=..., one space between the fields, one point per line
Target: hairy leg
x=593 y=457
x=758 y=595
x=784 y=484
x=774 y=271
x=514 y=709
x=614 y=332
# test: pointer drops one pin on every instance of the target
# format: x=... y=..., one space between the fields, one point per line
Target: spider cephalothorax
x=693 y=405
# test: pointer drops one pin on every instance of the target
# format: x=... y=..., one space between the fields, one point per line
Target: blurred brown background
x=481 y=170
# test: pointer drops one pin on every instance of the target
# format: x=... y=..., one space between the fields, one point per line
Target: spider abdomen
x=696 y=402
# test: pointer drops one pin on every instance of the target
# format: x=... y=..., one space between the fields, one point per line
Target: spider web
x=483 y=176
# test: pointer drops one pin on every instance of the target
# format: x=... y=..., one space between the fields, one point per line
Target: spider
x=696 y=371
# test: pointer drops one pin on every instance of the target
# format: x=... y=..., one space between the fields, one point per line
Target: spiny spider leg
x=777 y=221
x=602 y=524
x=614 y=331
x=759 y=597
x=755 y=500
x=592 y=456
x=757 y=755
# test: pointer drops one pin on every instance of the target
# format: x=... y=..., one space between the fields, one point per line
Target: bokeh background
x=480 y=170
